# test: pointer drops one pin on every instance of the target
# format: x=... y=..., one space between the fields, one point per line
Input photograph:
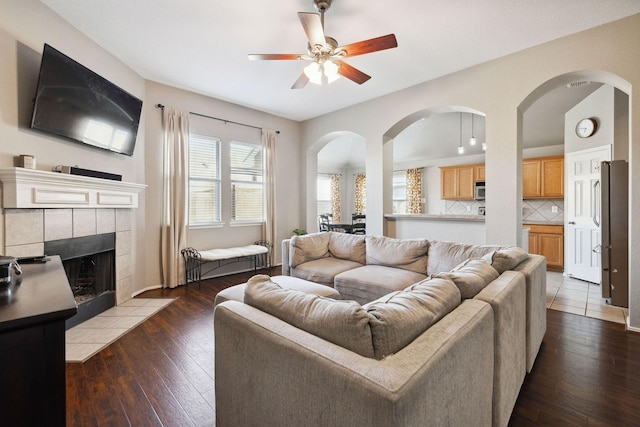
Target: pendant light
x=472 y=140
x=460 y=147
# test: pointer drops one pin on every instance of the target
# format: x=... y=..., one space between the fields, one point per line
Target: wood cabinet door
x=551 y=246
x=531 y=178
x=448 y=183
x=465 y=182
x=552 y=171
x=478 y=172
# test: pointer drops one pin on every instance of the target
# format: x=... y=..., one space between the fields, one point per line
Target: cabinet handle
x=594 y=194
x=572 y=223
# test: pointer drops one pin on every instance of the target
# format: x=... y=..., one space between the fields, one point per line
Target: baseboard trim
x=150 y=288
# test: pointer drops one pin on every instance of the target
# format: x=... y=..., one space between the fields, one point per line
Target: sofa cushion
x=323 y=270
x=408 y=254
x=400 y=317
x=347 y=246
x=444 y=256
x=369 y=282
x=471 y=276
x=308 y=247
x=506 y=258
x=344 y=323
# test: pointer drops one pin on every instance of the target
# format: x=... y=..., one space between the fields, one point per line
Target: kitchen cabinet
x=543 y=177
x=548 y=241
x=478 y=172
x=456 y=182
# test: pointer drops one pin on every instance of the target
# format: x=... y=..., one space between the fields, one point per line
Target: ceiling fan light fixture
x=319 y=74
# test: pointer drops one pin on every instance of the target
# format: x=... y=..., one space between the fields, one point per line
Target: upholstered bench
x=236 y=292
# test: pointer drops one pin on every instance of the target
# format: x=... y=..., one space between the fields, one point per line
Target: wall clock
x=586 y=127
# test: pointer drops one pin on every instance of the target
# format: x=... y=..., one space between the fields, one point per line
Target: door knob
x=572 y=223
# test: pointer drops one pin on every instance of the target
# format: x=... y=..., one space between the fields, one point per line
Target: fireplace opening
x=89 y=262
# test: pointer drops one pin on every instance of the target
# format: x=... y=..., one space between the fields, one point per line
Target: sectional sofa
x=433 y=342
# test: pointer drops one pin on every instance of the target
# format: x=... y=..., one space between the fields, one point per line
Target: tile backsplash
x=543 y=210
x=539 y=210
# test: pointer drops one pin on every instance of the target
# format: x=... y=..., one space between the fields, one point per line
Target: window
x=246 y=182
x=323 y=194
x=399 y=192
x=204 y=180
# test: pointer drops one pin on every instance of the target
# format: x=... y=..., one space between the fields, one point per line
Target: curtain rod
x=222 y=120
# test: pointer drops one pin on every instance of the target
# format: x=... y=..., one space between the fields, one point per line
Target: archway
x=427 y=140
x=345 y=154
x=609 y=104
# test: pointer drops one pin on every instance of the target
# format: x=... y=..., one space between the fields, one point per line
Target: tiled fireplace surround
x=44 y=206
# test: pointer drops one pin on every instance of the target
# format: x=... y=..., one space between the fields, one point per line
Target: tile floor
x=89 y=337
x=579 y=297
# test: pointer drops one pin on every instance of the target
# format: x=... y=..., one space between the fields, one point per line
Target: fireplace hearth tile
x=88 y=338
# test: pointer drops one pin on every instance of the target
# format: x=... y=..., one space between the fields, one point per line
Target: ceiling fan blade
x=279 y=56
x=301 y=82
x=351 y=73
x=313 y=28
x=372 y=45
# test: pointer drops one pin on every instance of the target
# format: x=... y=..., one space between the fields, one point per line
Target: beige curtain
x=361 y=193
x=414 y=190
x=175 y=175
x=335 y=197
x=269 y=156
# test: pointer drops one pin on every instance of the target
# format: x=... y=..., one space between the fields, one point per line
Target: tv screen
x=76 y=103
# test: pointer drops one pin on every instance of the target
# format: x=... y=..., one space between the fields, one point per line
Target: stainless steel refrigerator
x=614 y=176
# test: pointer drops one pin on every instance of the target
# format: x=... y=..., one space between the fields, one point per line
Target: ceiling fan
x=325 y=53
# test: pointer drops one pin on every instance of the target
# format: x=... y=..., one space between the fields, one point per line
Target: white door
x=582 y=228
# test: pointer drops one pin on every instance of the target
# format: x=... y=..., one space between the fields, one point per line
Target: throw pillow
x=506 y=258
x=400 y=317
x=471 y=276
x=344 y=323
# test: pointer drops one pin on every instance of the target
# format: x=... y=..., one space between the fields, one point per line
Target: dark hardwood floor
x=161 y=373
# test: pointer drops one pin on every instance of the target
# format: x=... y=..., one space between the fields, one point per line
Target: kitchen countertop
x=469 y=218
x=436 y=217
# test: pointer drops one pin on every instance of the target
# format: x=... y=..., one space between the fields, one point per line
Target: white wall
x=502 y=89
x=25 y=25
x=287 y=164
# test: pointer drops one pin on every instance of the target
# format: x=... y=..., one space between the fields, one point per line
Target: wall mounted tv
x=75 y=103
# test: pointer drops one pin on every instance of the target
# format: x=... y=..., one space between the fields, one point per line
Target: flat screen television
x=75 y=103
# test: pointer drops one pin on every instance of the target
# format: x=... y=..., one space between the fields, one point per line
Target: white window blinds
x=246 y=182
x=204 y=180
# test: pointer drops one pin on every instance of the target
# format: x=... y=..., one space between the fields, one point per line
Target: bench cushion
x=230 y=253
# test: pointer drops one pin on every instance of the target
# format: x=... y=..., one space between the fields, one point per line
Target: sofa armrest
x=270 y=373
x=534 y=269
x=507 y=297
x=286 y=247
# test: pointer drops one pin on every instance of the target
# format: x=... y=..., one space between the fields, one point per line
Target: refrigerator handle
x=594 y=200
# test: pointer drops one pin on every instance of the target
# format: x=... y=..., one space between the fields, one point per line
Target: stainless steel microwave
x=478 y=191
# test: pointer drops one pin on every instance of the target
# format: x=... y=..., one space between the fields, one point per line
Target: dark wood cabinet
x=32 y=346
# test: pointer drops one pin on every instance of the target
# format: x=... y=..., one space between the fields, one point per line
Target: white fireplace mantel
x=34 y=189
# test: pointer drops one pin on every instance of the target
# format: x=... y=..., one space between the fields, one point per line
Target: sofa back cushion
x=506 y=258
x=408 y=254
x=344 y=323
x=444 y=256
x=350 y=247
x=308 y=247
x=471 y=276
x=400 y=317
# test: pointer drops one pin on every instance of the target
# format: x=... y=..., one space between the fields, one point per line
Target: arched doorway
x=606 y=101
